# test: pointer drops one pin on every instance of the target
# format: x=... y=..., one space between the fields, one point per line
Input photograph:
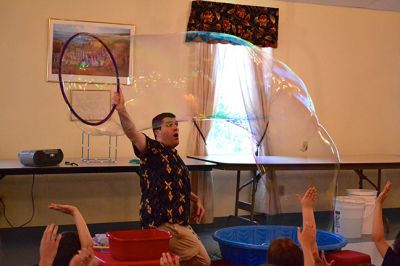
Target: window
x=231 y=135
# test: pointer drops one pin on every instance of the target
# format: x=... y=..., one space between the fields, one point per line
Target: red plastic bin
x=144 y=244
x=105 y=259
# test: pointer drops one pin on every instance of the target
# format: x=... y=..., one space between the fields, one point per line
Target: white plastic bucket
x=369 y=197
x=348 y=216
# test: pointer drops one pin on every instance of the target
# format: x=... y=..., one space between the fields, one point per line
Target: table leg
x=362 y=177
x=242 y=205
x=237 y=192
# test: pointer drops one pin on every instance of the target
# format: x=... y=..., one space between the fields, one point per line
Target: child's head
x=68 y=247
x=284 y=252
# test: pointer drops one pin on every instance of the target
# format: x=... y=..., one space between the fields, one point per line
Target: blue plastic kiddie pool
x=248 y=245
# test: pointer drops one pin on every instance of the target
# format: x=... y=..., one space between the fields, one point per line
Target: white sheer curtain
x=255 y=79
x=203 y=91
x=267 y=198
x=251 y=73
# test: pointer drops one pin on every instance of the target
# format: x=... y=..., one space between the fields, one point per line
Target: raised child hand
x=85 y=257
x=309 y=198
x=385 y=192
x=68 y=209
x=49 y=245
x=168 y=259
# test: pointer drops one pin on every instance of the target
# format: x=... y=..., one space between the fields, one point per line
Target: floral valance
x=256 y=24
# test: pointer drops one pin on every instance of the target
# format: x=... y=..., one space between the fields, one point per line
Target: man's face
x=168 y=134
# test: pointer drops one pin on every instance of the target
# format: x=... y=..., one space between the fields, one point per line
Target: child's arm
x=83 y=231
x=307 y=203
x=378 y=233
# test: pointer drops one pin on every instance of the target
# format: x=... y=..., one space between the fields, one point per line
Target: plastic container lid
x=361 y=192
x=349 y=199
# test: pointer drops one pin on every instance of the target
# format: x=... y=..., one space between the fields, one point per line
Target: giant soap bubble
x=176 y=73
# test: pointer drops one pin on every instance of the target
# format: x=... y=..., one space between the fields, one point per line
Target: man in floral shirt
x=165 y=185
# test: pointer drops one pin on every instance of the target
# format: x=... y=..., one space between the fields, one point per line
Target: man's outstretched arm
x=137 y=138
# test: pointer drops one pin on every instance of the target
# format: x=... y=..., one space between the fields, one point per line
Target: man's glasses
x=170 y=123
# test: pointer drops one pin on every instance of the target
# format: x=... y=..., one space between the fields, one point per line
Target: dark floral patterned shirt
x=165 y=186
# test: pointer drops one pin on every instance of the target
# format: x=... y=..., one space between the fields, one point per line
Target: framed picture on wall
x=117 y=37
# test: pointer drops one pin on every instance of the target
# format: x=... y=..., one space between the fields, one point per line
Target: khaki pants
x=186 y=244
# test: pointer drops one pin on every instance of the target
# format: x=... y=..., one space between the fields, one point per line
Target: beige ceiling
x=389 y=5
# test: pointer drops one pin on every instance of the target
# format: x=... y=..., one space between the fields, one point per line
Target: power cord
x=33 y=208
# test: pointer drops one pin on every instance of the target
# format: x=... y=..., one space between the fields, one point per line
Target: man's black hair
x=157 y=121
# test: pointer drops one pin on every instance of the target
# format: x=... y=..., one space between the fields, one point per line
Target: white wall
x=349 y=59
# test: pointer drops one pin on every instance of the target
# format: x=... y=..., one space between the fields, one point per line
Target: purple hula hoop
x=60 y=80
